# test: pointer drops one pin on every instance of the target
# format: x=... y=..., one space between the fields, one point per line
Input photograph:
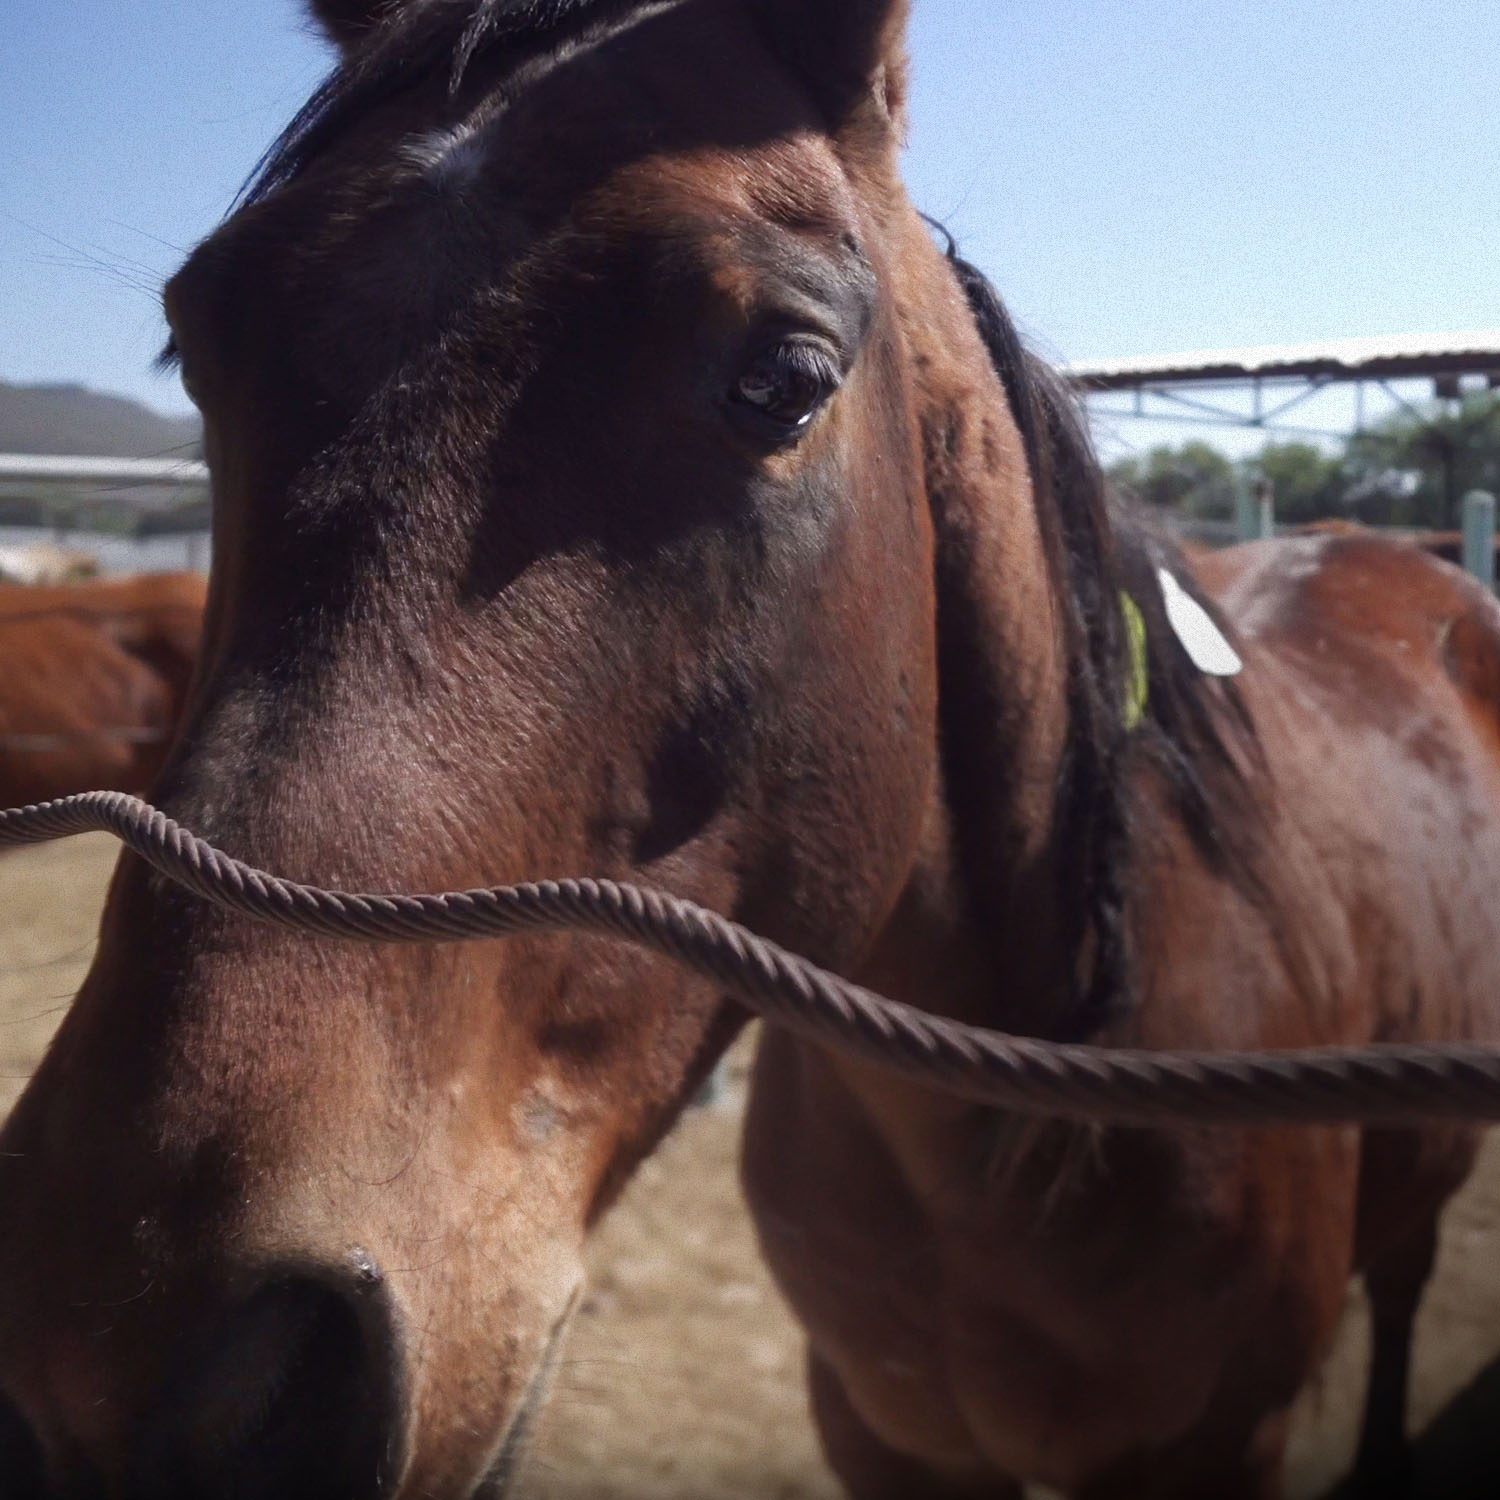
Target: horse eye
x=786 y=387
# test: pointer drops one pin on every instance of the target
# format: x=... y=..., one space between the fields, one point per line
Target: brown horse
x=93 y=678
x=612 y=477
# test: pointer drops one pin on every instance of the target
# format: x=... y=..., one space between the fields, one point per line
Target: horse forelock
x=409 y=45
x=1195 y=734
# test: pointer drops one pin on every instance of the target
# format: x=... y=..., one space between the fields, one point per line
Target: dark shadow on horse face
x=569 y=520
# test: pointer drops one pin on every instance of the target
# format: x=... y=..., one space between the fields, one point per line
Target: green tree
x=1195 y=479
x=1413 y=468
x=1309 y=484
x=1409 y=470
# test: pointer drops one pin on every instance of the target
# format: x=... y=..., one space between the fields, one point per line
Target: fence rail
x=139 y=484
x=156 y=484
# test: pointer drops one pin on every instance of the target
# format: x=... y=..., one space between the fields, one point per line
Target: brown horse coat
x=93 y=678
x=1132 y=1313
x=613 y=477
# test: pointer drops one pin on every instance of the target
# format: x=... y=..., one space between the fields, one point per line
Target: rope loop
x=1389 y=1085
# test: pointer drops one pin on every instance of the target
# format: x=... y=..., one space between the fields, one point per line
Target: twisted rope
x=1384 y=1084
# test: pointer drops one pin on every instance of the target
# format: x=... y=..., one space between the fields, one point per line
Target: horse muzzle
x=294 y=1390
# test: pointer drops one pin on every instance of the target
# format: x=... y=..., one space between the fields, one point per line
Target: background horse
x=93 y=678
x=43 y=563
x=611 y=475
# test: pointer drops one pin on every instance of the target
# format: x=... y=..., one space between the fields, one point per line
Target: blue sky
x=1138 y=176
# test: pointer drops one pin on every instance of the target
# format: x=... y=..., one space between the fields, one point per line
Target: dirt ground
x=683 y=1380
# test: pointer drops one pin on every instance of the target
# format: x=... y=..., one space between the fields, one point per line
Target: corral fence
x=168 y=491
x=1474 y=546
x=133 y=515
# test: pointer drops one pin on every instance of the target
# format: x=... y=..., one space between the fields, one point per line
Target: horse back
x=1373 y=677
x=151 y=594
x=154 y=617
x=93 y=678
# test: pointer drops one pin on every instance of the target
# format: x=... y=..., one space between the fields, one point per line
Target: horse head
x=569 y=376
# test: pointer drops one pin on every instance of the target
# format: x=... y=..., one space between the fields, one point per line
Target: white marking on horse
x=447 y=158
x=452 y=157
x=1257 y=602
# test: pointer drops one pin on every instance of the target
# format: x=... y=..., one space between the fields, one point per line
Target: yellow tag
x=1138 y=688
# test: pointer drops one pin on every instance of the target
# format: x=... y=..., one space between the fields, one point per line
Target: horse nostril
x=21 y=1474
x=296 y=1394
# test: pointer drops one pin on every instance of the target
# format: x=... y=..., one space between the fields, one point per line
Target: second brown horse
x=93 y=678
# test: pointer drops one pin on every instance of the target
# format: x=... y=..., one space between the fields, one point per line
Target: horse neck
x=982 y=930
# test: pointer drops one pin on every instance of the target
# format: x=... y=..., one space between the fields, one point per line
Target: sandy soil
x=683 y=1380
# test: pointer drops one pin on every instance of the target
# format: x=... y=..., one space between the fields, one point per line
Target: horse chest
x=1049 y=1324
x=1064 y=1361
x=1051 y=1365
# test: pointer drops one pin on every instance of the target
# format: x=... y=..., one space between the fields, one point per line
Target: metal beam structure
x=1262 y=387
x=1396 y=358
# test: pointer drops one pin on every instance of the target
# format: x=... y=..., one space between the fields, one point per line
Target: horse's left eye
x=785 y=387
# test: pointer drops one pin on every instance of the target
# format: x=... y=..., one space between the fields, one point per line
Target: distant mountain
x=72 y=419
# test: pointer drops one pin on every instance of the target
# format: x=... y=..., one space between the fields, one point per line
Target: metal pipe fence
x=79 y=501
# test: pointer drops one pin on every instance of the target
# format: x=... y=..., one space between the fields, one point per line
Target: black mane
x=411 y=43
x=1196 y=734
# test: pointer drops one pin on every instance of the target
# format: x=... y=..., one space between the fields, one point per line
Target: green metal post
x=1246 y=523
x=1265 y=510
x=1479 y=536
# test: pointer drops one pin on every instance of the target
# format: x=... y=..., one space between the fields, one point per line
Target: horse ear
x=346 y=21
x=851 y=52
